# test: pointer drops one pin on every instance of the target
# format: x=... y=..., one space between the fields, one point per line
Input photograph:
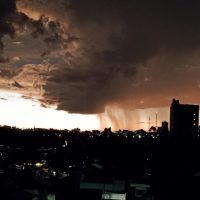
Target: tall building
x=184 y=118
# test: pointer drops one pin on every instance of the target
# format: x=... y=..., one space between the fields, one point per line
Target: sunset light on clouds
x=62 y=65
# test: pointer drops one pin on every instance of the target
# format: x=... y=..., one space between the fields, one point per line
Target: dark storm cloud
x=13 y=22
x=17 y=24
x=4 y=60
x=119 y=39
x=50 y=31
x=110 y=52
x=6 y=8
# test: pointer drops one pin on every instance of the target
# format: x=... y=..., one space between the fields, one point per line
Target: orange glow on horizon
x=25 y=113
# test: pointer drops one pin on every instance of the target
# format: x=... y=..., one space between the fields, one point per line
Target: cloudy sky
x=97 y=63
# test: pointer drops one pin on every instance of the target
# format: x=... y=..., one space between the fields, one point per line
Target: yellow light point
x=38 y=164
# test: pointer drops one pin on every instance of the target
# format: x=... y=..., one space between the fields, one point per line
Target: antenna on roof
x=156 y=120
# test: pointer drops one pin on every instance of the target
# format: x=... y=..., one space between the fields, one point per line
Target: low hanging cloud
x=129 y=54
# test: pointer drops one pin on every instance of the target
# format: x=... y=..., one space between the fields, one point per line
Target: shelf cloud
x=130 y=54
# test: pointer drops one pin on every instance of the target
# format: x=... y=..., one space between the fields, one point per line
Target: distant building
x=164 y=126
x=184 y=118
